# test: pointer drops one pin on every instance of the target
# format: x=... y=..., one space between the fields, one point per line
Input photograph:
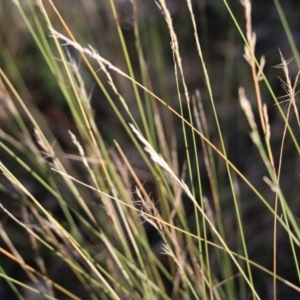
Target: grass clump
x=135 y=168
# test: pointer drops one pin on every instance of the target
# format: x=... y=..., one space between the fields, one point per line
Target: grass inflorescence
x=142 y=159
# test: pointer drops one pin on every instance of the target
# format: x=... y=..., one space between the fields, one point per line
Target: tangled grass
x=96 y=209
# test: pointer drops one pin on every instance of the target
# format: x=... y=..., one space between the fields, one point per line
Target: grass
x=152 y=202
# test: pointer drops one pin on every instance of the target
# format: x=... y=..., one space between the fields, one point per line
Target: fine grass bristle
x=147 y=151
